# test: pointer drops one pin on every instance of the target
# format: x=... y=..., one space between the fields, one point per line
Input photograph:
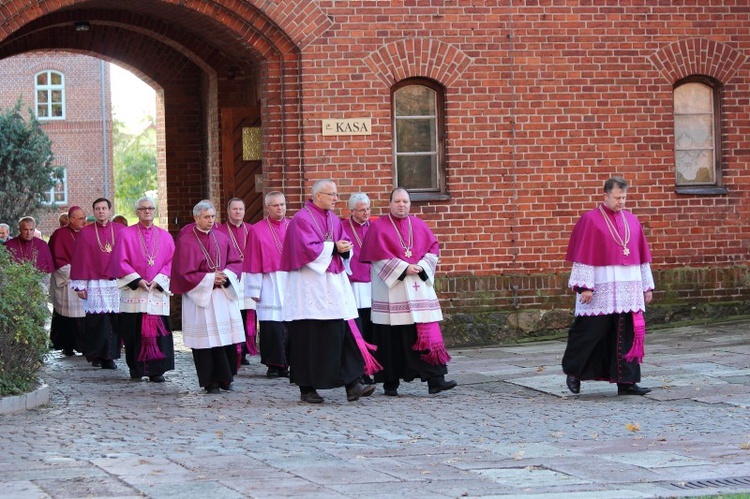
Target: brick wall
x=77 y=141
x=544 y=101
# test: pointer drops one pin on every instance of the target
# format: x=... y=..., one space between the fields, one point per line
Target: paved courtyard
x=510 y=429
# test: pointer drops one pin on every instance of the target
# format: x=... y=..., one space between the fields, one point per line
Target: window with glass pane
x=416 y=136
x=695 y=133
x=59 y=193
x=50 y=95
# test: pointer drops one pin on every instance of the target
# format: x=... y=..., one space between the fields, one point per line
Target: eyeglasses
x=146 y=208
x=332 y=194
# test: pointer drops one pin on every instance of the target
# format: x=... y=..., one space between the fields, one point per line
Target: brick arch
x=418 y=57
x=698 y=56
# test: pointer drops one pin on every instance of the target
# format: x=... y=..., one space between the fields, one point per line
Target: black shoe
x=96 y=363
x=311 y=397
x=390 y=392
x=359 y=390
x=109 y=364
x=272 y=372
x=244 y=361
x=135 y=377
x=68 y=352
x=227 y=387
x=574 y=384
x=157 y=379
x=442 y=386
x=283 y=373
x=212 y=390
x=633 y=389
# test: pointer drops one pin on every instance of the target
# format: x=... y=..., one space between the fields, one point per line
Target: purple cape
x=35 y=251
x=357 y=232
x=304 y=239
x=129 y=255
x=240 y=234
x=89 y=261
x=189 y=265
x=592 y=244
x=263 y=254
x=62 y=243
x=382 y=242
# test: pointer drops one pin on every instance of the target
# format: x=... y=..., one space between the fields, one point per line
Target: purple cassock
x=592 y=243
x=264 y=245
x=308 y=230
x=35 y=251
x=237 y=235
x=357 y=232
x=62 y=243
x=383 y=243
x=93 y=250
x=191 y=263
x=147 y=258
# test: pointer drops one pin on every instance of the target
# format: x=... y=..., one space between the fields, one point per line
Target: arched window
x=49 y=95
x=697 y=136
x=418 y=145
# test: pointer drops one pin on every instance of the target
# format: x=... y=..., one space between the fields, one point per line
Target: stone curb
x=31 y=400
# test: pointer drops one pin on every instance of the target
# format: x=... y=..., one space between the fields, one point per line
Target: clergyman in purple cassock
x=142 y=264
x=264 y=282
x=205 y=271
x=406 y=313
x=613 y=282
x=325 y=347
x=68 y=316
x=90 y=278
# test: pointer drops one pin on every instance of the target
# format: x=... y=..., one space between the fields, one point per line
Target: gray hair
x=5 y=226
x=144 y=198
x=26 y=218
x=272 y=194
x=358 y=197
x=613 y=182
x=202 y=206
x=317 y=186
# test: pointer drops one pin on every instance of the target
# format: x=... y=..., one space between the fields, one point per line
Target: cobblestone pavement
x=509 y=429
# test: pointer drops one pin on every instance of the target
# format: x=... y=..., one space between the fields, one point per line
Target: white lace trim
x=617 y=288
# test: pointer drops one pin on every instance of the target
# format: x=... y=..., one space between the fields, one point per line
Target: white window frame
x=49 y=88
x=50 y=196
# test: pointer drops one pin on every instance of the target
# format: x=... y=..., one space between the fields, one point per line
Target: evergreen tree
x=26 y=171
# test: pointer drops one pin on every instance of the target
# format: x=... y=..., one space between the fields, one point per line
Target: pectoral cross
x=151 y=261
x=407 y=253
x=626 y=251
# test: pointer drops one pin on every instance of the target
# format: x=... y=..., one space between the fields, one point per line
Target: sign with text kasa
x=353 y=126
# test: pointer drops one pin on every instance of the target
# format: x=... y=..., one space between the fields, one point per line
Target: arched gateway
x=227 y=74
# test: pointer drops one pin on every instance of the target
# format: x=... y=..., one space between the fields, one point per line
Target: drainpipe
x=105 y=157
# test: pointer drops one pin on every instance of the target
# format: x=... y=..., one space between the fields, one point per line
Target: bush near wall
x=23 y=314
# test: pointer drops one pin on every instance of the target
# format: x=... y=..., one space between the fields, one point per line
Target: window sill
x=705 y=190
x=417 y=197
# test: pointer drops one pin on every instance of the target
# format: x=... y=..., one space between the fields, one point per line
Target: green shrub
x=23 y=314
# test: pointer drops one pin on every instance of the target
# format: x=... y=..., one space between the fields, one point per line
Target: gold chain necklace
x=407 y=248
x=354 y=231
x=212 y=265
x=616 y=235
x=276 y=238
x=107 y=248
x=150 y=256
x=326 y=235
x=30 y=257
x=234 y=240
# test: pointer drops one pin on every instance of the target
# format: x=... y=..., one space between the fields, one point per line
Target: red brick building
x=70 y=95
x=504 y=118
